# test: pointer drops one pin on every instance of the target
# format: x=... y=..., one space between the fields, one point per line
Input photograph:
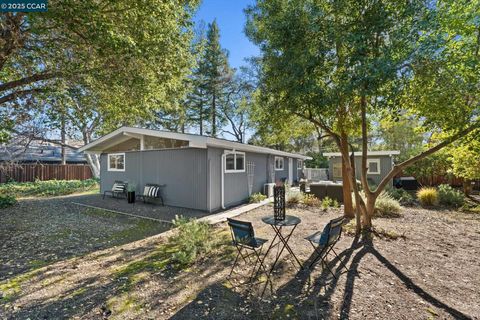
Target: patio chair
x=324 y=241
x=152 y=191
x=118 y=188
x=247 y=245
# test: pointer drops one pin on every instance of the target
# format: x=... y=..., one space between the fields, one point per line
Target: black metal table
x=279 y=239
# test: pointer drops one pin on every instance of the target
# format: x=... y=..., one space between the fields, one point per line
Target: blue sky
x=231 y=21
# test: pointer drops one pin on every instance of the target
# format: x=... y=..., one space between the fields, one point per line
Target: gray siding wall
x=236 y=183
x=184 y=171
x=385 y=167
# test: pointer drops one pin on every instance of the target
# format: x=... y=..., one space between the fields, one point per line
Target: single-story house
x=199 y=172
x=379 y=164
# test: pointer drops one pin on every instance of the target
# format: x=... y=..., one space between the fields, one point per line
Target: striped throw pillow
x=146 y=190
x=118 y=187
x=153 y=192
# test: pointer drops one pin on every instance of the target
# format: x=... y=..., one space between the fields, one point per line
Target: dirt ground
x=431 y=272
x=39 y=231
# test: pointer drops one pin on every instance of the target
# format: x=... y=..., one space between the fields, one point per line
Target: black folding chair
x=324 y=241
x=247 y=245
x=118 y=188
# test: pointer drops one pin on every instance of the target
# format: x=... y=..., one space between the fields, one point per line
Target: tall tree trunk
x=214 y=116
x=93 y=160
x=347 y=186
x=62 y=133
x=200 y=114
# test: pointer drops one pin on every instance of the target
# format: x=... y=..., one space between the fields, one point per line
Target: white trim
x=290 y=171
x=195 y=141
x=275 y=163
x=369 y=153
x=227 y=152
x=222 y=174
x=116 y=154
x=377 y=161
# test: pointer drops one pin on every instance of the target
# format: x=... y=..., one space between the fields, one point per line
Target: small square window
x=234 y=161
x=116 y=162
x=279 y=163
x=373 y=166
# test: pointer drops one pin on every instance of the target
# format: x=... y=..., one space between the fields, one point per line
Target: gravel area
x=151 y=209
x=430 y=272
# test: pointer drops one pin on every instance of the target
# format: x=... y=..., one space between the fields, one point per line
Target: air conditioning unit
x=268 y=189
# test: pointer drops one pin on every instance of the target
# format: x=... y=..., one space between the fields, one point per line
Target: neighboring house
x=40 y=152
x=379 y=164
x=199 y=172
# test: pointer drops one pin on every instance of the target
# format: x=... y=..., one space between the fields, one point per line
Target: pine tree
x=213 y=77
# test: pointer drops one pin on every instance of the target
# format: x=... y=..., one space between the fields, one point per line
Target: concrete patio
x=151 y=211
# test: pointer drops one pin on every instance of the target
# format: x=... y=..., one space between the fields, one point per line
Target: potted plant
x=131 y=193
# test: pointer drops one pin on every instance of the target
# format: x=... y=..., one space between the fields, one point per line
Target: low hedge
x=47 y=188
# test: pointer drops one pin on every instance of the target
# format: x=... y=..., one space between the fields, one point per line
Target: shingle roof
x=40 y=153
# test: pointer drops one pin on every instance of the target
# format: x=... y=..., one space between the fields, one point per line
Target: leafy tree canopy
x=131 y=56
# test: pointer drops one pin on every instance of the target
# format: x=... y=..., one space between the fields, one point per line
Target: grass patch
x=77 y=292
x=48 y=188
x=36 y=264
x=123 y=303
x=12 y=287
x=7 y=200
x=193 y=242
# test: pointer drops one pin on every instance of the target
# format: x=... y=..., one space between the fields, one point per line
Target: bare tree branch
x=27 y=80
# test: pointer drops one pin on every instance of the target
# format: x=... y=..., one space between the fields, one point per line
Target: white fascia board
x=231 y=145
x=195 y=141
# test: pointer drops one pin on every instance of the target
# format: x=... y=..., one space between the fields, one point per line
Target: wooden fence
x=32 y=172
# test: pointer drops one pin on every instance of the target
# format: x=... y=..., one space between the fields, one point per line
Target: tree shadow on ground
x=408 y=282
x=127 y=283
x=307 y=295
x=39 y=232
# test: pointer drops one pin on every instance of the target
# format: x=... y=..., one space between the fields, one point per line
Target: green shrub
x=257 y=197
x=387 y=206
x=7 y=200
x=294 y=197
x=335 y=203
x=47 y=188
x=194 y=238
x=327 y=203
x=402 y=196
x=310 y=200
x=427 y=196
x=448 y=196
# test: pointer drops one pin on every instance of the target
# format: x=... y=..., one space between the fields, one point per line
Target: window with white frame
x=234 y=161
x=116 y=162
x=299 y=164
x=279 y=163
x=373 y=166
